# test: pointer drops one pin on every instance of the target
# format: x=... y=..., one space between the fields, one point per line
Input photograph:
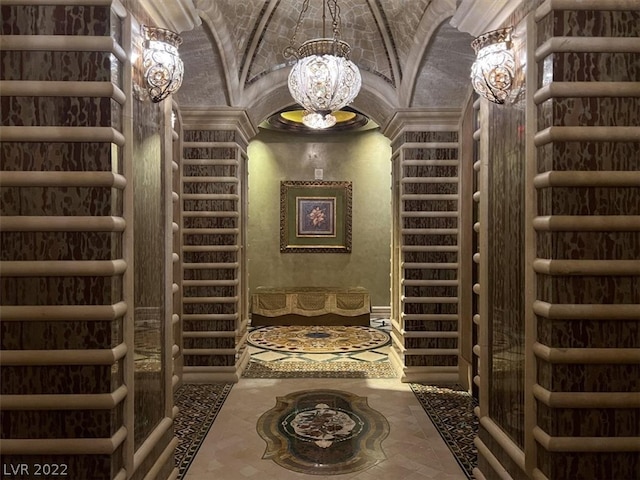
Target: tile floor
x=233 y=449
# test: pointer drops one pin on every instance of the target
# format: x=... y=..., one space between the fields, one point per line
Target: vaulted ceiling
x=407 y=51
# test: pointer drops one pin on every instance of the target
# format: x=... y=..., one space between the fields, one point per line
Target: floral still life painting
x=316 y=216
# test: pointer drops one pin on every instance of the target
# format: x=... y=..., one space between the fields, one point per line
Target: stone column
x=587 y=240
x=425 y=247
x=214 y=285
x=62 y=232
x=86 y=300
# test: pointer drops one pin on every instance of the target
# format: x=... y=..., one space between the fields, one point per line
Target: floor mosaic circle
x=318 y=339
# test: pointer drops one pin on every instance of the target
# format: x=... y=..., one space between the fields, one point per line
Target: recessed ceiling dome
x=292 y=119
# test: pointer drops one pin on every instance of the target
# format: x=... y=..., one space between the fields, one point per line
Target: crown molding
x=221 y=118
x=417 y=119
x=479 y=16
x=175 y=15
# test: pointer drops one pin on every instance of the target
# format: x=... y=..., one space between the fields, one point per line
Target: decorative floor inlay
x=318 y=339
x=323 y=432
x=311 y=369
x=450 y=408
x=198 y=405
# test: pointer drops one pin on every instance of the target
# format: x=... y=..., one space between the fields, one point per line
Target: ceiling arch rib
x=387 y=40
x=204 y=81
x=215 y=20
x=438 y=69
x=269 y=38
x=436 y=13
x=402 y=22
x=365 y=29
x=256 y=36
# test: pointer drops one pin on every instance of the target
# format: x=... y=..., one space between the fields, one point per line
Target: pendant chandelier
x=323 y=80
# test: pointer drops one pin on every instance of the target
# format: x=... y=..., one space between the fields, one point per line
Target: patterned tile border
x=333 y=369
x=450 y=408
x=198 y=407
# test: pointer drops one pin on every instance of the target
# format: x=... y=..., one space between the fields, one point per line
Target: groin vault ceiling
x=408 y=54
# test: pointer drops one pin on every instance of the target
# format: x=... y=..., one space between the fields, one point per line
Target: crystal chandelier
x=493 y=71
x=323 y=80
x=163 y=68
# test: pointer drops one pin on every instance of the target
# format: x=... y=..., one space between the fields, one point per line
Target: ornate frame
x=315 y=216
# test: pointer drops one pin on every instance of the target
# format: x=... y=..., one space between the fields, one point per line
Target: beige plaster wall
x=362 y=158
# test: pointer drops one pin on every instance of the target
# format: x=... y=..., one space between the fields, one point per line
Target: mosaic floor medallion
x=323 y=432
x=318 y=339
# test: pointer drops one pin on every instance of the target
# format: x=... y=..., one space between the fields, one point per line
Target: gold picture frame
x=315 y=216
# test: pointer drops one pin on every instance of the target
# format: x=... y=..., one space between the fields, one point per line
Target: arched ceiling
x=408 y=53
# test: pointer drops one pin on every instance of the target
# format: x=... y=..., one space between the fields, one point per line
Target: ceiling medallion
x=323 y=79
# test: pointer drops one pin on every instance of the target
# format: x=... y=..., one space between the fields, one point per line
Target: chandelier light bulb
x=319 y=120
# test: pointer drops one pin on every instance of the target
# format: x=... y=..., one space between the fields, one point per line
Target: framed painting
x=315 y=217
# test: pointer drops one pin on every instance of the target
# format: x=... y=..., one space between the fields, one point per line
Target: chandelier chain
x=334 y=10
x=292 y=50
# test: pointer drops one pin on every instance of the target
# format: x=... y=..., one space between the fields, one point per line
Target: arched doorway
x=361 y=157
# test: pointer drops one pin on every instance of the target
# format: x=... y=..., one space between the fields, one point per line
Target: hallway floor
x=233 y=449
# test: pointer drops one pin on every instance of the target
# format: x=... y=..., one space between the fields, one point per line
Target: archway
x=361 y=157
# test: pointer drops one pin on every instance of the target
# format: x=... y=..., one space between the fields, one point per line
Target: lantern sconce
x=493 y=71
x=163 y=68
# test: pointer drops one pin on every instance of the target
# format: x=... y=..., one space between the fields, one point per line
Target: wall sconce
x=493 y=71
x=163 y=69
